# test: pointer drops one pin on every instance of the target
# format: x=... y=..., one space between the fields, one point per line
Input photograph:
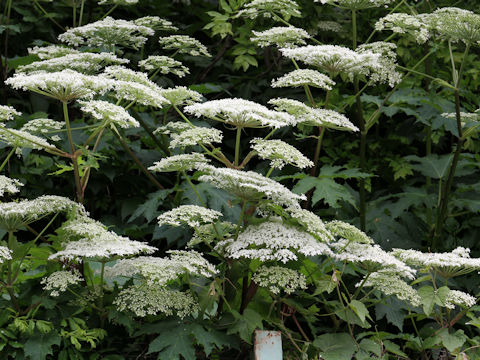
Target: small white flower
x=267 y=8
x=182 y=162
x=184 y=44
x=280 y=153
x=181 y=95
x=279 y=278
x=303 y=77
x=283 y=36
x=10 y=186
x=108 y=113
x=59 y=281
x=165 y=64
x=8 y=113
x=191 y=215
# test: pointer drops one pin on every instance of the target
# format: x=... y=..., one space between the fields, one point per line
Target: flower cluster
x=184 y=44
x=51 y=51
x=43 y=126
x=196 y=135
x=164 y=64
x=182 y=162
x=155 y=23
x=311 y=223
x=191 y=215
x=279 y=278
x=272 y=241
x=8 y=113
x=456 y=297
x=10 y=186
x=145 y=300
x=20 y=139
x=181 y=95
x=347 y=231
x=108 y=32
x=268 y=8
x=161 y=271
x=302 y=77
x=250 y=186
x=370 y=257
x=108 y=113
x=309 y=116
x=391 y=284
x=5 y=254
x=64 y=85
x=241 y=113
x=357 y=4
x=454 y=263
x=400 y=23
x=86 y=63
x=87 y=238
x=282 y=37
x=59 y=281
x=280 y=153
x=14 y=215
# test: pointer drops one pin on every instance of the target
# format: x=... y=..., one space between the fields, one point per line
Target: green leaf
x=430 y=297
x=171 y=344
x=149 y=208
x=393 y=311
x=326 y=189
x=38 y=345
x=434 y=166
x=393 y=348
x=452 y=342
x=360 y=309
x=246 y=324
x=209 y=339
x=325 y=283
x=335 y=346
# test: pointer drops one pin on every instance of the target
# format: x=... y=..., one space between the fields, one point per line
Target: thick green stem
x=194 y=189
x=443 y=204
x=7 y=158
x=109 y=11
x=76 y=171
x=237 y=146
x=137 y=161
x=81 y=13
x=47 y=15
x=316 y=156
x=74 y=11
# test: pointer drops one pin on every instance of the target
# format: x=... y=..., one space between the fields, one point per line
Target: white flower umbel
x=456 y=24
x=149 y=95
x=454 y=263
x=282 y=37
x=385 y=71
x=391 y=284
x=311 y=223
x=86 y=63
x=145 y=300
x=5 y=254
x=302 y=77
x=370 y=257
x=109 y=33
x=241 y=113
x=209 y=233
x=182 y=162
x=196 y=135
x=64 y=85
x=14 y=215
x=278 y=278
x=42 y=126
x=181 y=95
x=272 y=241
x=155 y=23
x=334 y=59
x=51 y=51
x=267 y=8
x=460 y=298
x=162 y=271
x=280 y=154
x=124 y=74
x=165 y=64
x=347 y=231
x=118 y=2
x=357 y=4
x=9 y=186
x=400 y=23
x=59 y=281
x=309 y=116
x=89 y=239
x=172 y=128
x=20 y=139
x=191 y=215
x=184 y=44
x=108 y=113
x=8 y=113
x=250 y=186
x=329 y=26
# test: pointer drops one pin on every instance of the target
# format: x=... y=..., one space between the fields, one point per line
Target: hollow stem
x=76 y=171
x=7 y=158
x=237 y=146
